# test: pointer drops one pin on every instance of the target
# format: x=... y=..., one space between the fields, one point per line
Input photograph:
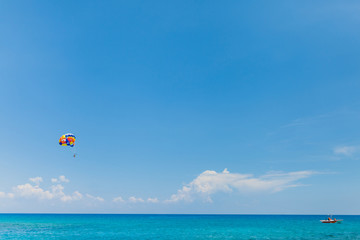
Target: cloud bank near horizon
x=203 y=187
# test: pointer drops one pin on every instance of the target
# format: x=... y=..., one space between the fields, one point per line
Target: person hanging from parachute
x=68 y=139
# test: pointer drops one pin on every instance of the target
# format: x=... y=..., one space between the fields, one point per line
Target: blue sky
x=180 y=107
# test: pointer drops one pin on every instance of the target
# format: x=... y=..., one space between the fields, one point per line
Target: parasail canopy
x=67 y=139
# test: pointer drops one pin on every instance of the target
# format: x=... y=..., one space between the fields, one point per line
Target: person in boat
x=329 y=218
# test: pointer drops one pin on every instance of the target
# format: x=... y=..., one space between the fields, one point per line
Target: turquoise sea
x=113 y=226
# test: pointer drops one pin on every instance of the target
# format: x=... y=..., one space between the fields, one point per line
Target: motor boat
x=329 y=220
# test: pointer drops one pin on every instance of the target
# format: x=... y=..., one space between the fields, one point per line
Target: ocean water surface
x=122 y=226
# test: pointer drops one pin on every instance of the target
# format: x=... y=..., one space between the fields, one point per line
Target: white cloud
x=58 y=192
x=152 y=200
x=29 y=191
x=211 y=182
x=36 y=180
x=118 y=200
x=135 y=200
x=54 y=192
x=6 y=195
x=346 y=150
x=61 y=178
x=100 y=199
x=75 y=196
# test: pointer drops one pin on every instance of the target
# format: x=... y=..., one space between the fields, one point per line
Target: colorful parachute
x=67 y=140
